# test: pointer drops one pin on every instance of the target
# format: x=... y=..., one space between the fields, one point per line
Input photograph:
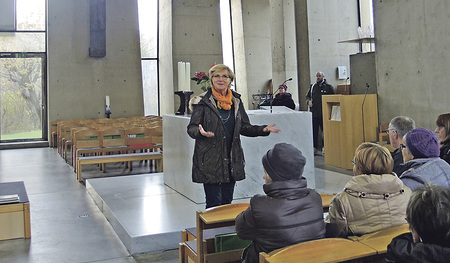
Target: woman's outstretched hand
x=205 y=133
x=270 y=128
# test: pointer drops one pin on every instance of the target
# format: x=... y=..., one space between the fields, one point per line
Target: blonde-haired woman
x=217 y=121
x=374 y=199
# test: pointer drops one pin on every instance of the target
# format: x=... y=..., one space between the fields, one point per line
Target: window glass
x=30 y=15
x=148 y=25
x=22 y=42
x=150 y=86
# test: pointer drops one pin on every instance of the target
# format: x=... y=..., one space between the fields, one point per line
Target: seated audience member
x=374 y=199
x=428 y=217
x=289 y=213
x=421 y=156
x=283 y=98
x=443 y=134
x=398 y=127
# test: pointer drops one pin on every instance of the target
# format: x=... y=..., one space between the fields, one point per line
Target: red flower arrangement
x=202 y=79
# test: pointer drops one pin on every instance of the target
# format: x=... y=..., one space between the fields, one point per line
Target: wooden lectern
x=343 y=126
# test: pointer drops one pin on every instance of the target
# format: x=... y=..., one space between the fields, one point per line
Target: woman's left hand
x=270 y=128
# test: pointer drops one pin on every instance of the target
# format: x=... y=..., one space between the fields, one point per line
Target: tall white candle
x=181 y=75
x=107 y=101
x=188 y=76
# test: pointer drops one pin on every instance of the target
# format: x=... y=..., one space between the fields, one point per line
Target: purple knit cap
x=422 y=143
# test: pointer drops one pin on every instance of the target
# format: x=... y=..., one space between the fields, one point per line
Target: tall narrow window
x=148 y=29
x=367 y=29
x=22 y=72
x=227 y=38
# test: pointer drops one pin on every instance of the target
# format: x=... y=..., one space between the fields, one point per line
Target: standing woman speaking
x=218 y=118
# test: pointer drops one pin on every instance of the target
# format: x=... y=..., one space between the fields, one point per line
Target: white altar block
x=296 y=129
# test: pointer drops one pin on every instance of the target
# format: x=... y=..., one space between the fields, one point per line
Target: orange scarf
x=223 y=102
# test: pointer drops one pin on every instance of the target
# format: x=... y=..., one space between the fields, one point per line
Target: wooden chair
x=199 y=249
x=68 y=141
x=53 y=133
x=382 y=136
x=319 y=251
x=113 y=142
x=326 y=201
x=86 y=142
x=139 y=139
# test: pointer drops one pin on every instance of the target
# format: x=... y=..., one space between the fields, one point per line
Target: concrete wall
x=252 y=46
x=284 y=53
x=196 y=38
x=362 y=66
x=412 y=54
x=328 y=22
x=77 y=83
x=166 y=74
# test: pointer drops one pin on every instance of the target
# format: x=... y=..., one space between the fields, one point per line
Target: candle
x=181 y=75
x=107 y=101
x=188 y=76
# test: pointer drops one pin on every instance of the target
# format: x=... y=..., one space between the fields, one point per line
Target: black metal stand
x=185 y=96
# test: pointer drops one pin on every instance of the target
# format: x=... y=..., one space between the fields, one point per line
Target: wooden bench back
x=87 y=138
x=113 y=137
x=138 y=136
x=319 y=251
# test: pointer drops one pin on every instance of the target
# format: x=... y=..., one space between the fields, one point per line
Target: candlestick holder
x=185 y=96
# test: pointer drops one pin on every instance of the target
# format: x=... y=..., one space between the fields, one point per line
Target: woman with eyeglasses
x=443 y=133
x=374 y=199
x=420 y=151
x=429 y=221
x=217 y=121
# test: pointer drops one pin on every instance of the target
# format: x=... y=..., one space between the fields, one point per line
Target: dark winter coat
x=318 y=89
x=284 y=100
x=445 y=152
x=290 y=213
x=211 y=163
x=399 y=166
x=402 y=249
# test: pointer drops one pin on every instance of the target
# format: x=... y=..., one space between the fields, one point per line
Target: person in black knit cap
x=288 y=213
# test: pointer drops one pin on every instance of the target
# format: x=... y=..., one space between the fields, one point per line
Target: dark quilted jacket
x=210 y=160
x=290 y=213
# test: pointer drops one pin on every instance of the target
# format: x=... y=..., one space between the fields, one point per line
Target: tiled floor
x=68 y=226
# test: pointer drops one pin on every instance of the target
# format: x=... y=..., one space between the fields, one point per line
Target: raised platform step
x=146 y=215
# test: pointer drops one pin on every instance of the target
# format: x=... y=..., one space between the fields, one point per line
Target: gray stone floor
x=67 y=225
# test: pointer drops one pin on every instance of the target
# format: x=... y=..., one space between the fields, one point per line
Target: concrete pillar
x=252 y=50
x=284 y=53
x=190 y=32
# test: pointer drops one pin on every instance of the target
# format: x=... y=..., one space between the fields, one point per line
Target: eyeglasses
x=221 y=76
x=402 y=146
x=388 y=130
x=353 y=161
x=439 y=127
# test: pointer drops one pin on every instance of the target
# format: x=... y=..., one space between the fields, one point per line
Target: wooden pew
x=319 y=251
x=198 y=250
x=118 y=158
x=381 y=239
x=326 y=201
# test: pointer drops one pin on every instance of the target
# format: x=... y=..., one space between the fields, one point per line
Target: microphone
x=362 y=111
x=289 y=79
